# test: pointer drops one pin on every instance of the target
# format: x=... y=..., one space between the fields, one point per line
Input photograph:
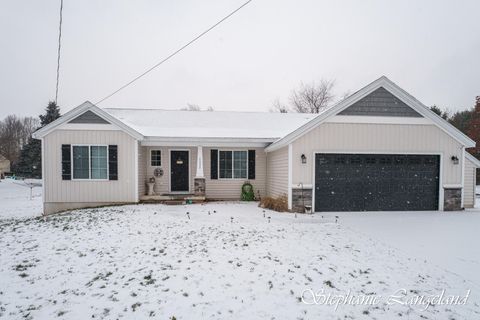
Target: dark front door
x=179 y=180
x=376 y=182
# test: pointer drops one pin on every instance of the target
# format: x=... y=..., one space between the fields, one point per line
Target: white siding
x=87 y=192
x=376 y=138
x=162 y=185
x=277 y=172
x=470 y=182
x=142 y=170
x=230 y=189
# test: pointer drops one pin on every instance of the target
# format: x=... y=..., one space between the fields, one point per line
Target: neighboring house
x=378 y=149
x=4 y=165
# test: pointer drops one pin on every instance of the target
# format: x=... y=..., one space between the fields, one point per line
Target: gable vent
x=89 y=117
x=380 y=103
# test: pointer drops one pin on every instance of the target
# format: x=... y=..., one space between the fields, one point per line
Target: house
x=378 y=149
x=4 y=165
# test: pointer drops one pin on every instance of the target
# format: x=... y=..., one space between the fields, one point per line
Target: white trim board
x=75 y=112
x=378 y=120
x=472 y=159
x=347 y=102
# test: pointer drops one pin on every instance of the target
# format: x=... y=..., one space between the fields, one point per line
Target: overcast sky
x=430 y=48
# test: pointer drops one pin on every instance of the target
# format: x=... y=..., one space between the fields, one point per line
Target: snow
x=136 y=262
x=210 y=124
x=15 y=199
x=446 y=239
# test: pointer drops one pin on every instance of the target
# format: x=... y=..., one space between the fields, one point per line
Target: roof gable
x=89 y=117
x=395 y=90
x=380 y=103
x=85 y=107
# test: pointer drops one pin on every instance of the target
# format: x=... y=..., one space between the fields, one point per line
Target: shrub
x=279 y=204
x=247 y=192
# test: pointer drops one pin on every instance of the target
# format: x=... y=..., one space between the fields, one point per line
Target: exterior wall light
x=304 y=159
x=455 y=159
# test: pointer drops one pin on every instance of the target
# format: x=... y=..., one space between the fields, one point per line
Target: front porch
x=172 y=175
x=176 y=172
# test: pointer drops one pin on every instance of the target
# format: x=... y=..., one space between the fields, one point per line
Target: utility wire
x=174 y=53
x=59 y=47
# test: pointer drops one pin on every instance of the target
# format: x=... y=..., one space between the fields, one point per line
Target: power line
x=174 y=53
x=59 y=47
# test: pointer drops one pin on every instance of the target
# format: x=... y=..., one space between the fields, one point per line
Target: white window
x=155 y=158
x=233 y=164
x=90 y=162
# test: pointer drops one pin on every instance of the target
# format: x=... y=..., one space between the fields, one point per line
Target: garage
x=376 y=182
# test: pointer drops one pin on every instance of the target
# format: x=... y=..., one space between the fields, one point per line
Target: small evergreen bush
x=247 y=192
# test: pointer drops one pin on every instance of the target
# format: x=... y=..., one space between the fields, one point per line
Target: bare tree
x=29 y=125
x=312 y=97
x=10 y=137
x=195 y=107
x=278 y=106
x=15 y=132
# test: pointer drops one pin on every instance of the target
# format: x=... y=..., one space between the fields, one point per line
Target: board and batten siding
x=277 y=172
x=68 y=194
x=469 y=184
x=376 y=138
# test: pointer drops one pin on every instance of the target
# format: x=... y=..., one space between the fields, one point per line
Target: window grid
x=155 y=158
x=90 y=162
x=233 y=164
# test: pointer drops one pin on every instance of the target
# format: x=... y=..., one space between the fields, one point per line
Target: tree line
x=17 y=144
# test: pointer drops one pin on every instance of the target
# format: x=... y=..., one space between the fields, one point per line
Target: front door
x=179 y=180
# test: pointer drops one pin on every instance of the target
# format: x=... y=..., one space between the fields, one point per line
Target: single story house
x=378 y=149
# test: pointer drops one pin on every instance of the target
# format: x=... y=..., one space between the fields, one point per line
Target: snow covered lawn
x=447 y=239
x=15 y=199
x=221 y=261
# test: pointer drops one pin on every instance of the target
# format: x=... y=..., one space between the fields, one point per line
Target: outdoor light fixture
x=304 y=159
x=455 y=159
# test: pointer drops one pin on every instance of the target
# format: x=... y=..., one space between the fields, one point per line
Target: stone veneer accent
x=298 y=201
x=452 y=199
x=199 y=187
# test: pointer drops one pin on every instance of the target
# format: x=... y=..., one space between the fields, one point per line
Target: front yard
x=221 y=260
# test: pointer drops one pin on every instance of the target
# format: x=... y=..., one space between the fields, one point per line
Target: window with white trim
x=90 y=162
x=233 y=164
x=155 y=158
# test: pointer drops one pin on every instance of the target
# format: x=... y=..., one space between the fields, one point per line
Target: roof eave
x=390 y=86
x=42 y=132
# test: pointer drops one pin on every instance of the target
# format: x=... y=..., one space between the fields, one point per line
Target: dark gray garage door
x=373 y=182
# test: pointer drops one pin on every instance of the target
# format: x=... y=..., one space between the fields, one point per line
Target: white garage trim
x=440 y=185
x=463 y=177
x=290 y=175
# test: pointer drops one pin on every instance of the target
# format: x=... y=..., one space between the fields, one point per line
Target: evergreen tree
x=437 y=110
x=29 y=164
x=52 y=113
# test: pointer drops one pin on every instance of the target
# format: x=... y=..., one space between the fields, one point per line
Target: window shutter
x=251 y=164
x=112 y=162
x=213 y=164
x=66 y=162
